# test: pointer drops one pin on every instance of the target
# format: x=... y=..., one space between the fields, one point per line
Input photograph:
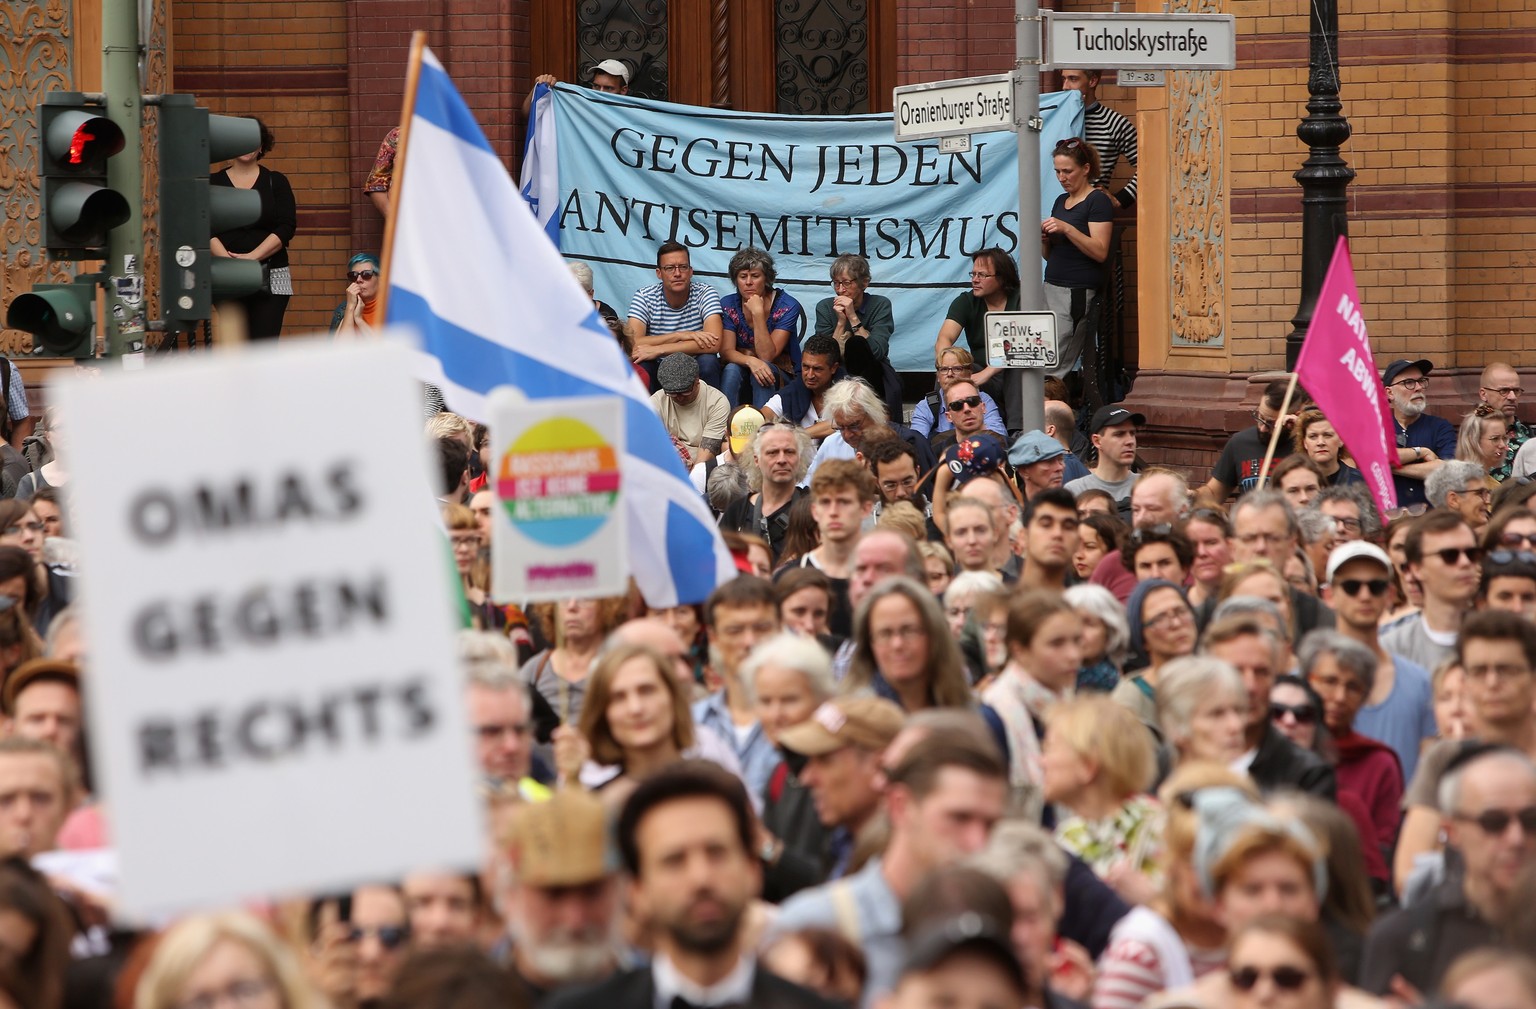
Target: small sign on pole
x=558 y=529
x=1021 y=339
x=956 y=107
x=275 y=703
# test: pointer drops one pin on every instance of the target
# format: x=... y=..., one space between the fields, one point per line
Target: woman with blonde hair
x=1483 y=438
x=1099 y=761
x=231 y=957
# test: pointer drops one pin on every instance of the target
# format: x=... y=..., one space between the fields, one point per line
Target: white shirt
x=833 y=448
x=733 y=989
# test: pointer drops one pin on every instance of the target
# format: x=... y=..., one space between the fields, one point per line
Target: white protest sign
x=558 y=527
x=1021 y=339
x=274 y=701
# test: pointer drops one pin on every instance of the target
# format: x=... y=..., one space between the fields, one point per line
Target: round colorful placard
x=558 y=481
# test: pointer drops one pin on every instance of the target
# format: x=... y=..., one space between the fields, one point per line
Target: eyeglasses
x=1273 y=539
x=1494 y=822
x=911 y=632
x=1412 y=383
x=1353 y=525
x=1451 y=555
x=675 y=268
x=1305 y=714
x=978 y=275
x=1507 y=391
x=953 y=369
x=1263 y=421
x=244 y=993
x=1285 y=978
x=389 y=936
x=1168 y=618
x=1511 y=557
x=491 y=733
x=1352 y=586
x=1413 y=510
x=845 y=428
x=892 y=486
x=1518 y=539
x=965 y=402
x=1482 y=492
x=21 y=527
x=1495 y=672
x=356 y=275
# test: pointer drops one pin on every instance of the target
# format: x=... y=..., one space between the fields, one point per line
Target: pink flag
x=1336 y=367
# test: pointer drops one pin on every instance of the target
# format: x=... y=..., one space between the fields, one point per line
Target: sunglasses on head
x=1494 y=822
x=1305 y=714
x=1414 y=510
x=1153 y=532
x=389 y=936
x=356 y=275
x=1285 y=978
x=1352 y=586
x=1450 y=555
x=1512 y=557
x=968 y=401
x=1070 y=144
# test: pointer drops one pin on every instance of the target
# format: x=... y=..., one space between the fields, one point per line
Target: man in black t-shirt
x=1237 y=469
x=780 y=453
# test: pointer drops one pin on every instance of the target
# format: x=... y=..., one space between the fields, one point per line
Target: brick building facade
x=1438 y=96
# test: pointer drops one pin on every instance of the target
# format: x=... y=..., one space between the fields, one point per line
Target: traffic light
x=75 y=140
x=59 y=318
x=192 y=279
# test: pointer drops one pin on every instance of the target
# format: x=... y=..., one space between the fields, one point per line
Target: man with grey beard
x=1424 y=442
x=561 y=899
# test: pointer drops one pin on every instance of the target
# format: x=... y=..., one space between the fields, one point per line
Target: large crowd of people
x=989 y=717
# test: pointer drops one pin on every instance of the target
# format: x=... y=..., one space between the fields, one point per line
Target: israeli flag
x=471 y=270
x=541 y=163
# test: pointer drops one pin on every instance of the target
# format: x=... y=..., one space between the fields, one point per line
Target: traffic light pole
x=1026 y=104
x=124 y=270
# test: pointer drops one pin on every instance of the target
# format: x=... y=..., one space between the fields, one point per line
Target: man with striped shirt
x=1111 y=134
x=677 y=315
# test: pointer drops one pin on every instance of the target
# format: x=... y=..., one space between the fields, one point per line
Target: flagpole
x=1274 y=436
x=407 y=111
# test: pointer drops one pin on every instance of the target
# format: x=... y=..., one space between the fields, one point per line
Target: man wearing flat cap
x=695 y=414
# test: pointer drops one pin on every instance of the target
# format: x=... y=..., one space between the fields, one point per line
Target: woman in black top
x=1074 y=241
x=266 y=241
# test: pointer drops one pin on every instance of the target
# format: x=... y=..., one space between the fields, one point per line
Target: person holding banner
x=1074 y=242
x=761 y=345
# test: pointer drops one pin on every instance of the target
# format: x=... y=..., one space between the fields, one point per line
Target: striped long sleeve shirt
x=1113 y=136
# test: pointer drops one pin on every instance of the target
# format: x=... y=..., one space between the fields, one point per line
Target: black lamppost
x=1324 y=175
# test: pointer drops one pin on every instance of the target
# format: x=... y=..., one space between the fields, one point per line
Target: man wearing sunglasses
x=968 y=412
x=1441 y=552
x=1399 y=709
x=1488 y=812
x=1424 y=441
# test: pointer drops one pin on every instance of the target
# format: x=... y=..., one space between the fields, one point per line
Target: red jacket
x=1370 y=771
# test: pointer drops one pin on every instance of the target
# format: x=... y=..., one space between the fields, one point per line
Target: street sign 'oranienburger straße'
x=957 y=107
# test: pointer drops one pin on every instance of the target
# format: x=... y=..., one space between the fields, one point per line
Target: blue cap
x=977 y=455
x=1033 y=447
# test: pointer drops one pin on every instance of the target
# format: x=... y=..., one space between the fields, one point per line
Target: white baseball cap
x=613 y=68
x=1353 y=551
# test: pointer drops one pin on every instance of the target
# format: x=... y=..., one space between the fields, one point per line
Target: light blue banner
x=613 y=177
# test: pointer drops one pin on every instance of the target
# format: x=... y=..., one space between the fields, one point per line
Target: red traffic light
x=82 y=141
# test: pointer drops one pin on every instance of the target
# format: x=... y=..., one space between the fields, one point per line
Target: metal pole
x=1026 y=104
x=1324 y=175
x=125 y=173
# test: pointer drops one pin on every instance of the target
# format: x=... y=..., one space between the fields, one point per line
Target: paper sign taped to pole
x=558 y=526
x=274 y=700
